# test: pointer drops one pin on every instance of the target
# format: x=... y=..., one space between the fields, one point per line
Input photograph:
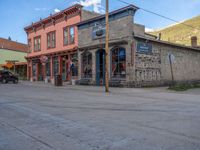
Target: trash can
x=73 y=82
x=58 y=80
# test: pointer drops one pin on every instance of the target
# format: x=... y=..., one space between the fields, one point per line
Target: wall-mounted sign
x=144 y=47
x=98 y=31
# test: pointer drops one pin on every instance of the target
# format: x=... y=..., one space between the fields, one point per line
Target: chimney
x=160 y=35
x=194 y=41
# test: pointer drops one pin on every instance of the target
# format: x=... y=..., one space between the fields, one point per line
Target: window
x=87 y=65
x=55 y=66
x=48 y=68
x=68 y=35
x=29 y=45
x=71 y=35
x=65 y=36
x=34 y=68
x=74 y=66
x=51 y=39
x=118 y=63
x=37 y=43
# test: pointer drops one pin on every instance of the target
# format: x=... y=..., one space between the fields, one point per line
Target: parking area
x=37 y=116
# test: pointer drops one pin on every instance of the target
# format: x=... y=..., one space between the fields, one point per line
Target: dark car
x=7 y=76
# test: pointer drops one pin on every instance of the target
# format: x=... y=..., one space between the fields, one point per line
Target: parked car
x=7 y=76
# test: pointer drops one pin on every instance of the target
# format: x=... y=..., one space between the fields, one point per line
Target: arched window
x=87 y=65
x=118 y=55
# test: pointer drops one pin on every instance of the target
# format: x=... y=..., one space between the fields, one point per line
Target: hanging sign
x=9 y=65
x=98 y=31
x=43 y=59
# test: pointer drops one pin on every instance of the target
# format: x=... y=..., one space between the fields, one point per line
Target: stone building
x=135 y=57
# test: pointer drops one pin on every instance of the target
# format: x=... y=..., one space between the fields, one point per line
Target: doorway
x=100 y=67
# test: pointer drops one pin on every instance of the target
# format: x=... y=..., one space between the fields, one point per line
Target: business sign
x=98 y=31
x=144 y=47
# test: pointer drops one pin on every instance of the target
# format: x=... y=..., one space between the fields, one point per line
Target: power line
x=162 y=16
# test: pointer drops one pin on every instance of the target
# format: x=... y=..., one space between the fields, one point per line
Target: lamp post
x=107 y=47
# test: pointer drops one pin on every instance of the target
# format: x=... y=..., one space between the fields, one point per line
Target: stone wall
x=154 y=69
x=85 y=15
x=118 y=29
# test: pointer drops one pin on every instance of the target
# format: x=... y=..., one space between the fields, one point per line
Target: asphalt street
x=42 y=117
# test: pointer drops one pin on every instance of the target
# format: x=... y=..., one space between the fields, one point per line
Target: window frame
x=66 y=28
x=118 y=63
x=38 y=45
x=50 y=43
x=69 y=42
x=86 y=55
x=30 y=45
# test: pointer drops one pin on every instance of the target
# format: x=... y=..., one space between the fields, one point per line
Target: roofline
x=14 y=41
x=167 y=43
x=9 y=49
x=110 y=13
x=54 y=15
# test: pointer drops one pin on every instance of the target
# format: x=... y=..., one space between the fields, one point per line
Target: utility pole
x=107 y=46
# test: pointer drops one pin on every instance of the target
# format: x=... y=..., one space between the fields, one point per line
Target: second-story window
x=71 y=35
x=51 y=39
x=37 y=43
x=29 y=45
x=68 y=35
x=65 y=36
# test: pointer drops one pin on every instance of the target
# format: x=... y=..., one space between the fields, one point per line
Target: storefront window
x=48 y=66
x=55 y=66
x=34 y=69
x=74 y=66
x=87 y=65
x=118 y=63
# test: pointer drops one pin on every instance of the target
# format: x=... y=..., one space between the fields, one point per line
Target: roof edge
x=110 y=13
x=54 y=15
x=167 y=43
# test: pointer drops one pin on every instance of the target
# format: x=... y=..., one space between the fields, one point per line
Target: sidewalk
x=95 y=88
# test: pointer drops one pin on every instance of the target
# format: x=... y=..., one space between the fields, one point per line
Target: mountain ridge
x=180 y=33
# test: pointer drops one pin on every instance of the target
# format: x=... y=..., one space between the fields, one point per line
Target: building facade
x=53 y=44
x=135 y=57
x=12 y=57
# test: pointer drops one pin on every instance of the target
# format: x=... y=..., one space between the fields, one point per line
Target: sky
x=16 y=14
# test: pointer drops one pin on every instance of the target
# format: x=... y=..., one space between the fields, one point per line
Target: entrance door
x=100 y=67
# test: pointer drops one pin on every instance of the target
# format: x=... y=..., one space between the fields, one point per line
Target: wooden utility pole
x=107 y=46
x=172 y=74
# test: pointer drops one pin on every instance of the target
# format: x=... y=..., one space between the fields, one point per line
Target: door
x=100 y=67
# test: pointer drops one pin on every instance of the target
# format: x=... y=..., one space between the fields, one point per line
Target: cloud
x=40 y=9
x=96 y=4
x=56 y=10
x=149 y=30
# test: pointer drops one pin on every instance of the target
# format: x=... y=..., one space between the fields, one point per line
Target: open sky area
x=16 y=14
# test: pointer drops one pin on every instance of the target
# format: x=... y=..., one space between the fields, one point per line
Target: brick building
x=135 y=57
x=53 y=44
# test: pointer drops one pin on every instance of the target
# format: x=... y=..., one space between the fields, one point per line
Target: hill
x=180 y=33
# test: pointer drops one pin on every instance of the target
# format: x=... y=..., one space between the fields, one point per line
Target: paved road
x=37 y=117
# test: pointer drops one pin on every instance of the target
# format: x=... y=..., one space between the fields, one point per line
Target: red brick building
x=53 y=44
